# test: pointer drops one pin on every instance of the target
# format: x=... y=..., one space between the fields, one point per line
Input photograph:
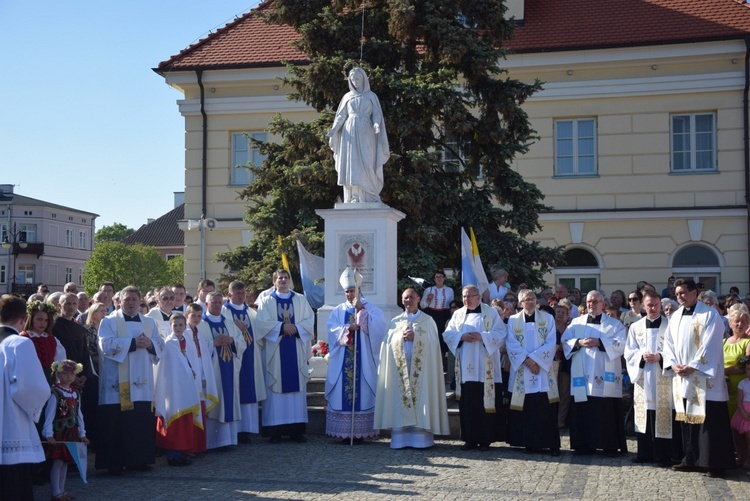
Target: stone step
x=316 y=413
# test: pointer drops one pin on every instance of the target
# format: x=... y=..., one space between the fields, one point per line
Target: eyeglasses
x=167 y=298
x=152 y=304
x=144 y=305
x=633 y=299
x=470 y=295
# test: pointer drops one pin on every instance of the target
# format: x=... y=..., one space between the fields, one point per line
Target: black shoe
x=274 y=440
x=300 y=439
x=555 y=453
x=716 y=473
x=484 y=447
x=684 y=467
x=116 y=472
x=583 y=452
x=244 y=438
x=468 y=447
x=638 y=460
x=180 y=461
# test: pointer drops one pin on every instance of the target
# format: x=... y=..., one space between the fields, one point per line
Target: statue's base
x=363 y=236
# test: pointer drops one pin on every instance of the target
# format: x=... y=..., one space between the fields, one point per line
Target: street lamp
x=17 y=240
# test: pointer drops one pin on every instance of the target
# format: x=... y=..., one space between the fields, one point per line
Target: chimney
x=150 y=220
x=6 y=189
x=515 y=10
x=179 y=198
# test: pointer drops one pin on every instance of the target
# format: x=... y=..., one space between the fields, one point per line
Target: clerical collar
x=594 y=320
x=688 y=310
x=283 y=295
x=134 y=318
x=164 y=316
x=237 y=307
x=653 y=324
x=528 y=318
x=213 y=318
x=412 y=316
x=478 y=309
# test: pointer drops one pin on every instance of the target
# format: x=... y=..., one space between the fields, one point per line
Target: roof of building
x=15 y=198
x=248 y=42
x=161 y=232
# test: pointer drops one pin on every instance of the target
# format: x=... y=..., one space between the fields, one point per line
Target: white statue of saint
x=359 y=141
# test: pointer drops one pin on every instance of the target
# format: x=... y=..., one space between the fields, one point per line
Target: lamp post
x=17 y=240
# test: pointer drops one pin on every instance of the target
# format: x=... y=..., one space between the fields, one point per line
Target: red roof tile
x=549 y=25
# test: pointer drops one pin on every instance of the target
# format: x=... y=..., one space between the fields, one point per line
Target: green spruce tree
x=434 y=65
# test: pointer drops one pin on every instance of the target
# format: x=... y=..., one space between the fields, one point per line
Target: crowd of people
x=134 y=375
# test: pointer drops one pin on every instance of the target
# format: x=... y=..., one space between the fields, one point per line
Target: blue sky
x=84 y=121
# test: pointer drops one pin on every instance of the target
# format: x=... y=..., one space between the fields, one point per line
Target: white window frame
x=240 y=145
x=69 y=238
x=692 y=168
x=575 y=139
x=68 y=274
x=23 y=268
x=29 y=232
x=82 y=240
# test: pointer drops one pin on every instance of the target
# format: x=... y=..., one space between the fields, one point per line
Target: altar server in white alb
x=252 y=386
x=285 y=322
x=594 y=344
x=410 y=400
x=694 y=354
x=223 y=420
x=355 y=334
x=23 y=392
x=130 y=347
x=532 y=421
x=475 y=334
x=659 y=439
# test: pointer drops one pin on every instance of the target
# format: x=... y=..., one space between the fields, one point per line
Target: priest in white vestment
x=163 y=310
x=24 y=390
x=475 y=335
x=410 y=399
x=223 y=420
x=594 y=344
x=252 y=384
x=694 y=356
x=355 y=334
x=531 y=345
x=130 y=346
x=285 y=323
x=659 y=439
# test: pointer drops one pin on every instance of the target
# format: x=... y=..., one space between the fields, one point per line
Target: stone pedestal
x=361 y=235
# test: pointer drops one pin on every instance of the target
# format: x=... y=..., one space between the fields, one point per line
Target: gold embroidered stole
x=123 y=369
x=409 y=379
x=695 y=410
x=663 y=428
x=519 y=386
x=489 y=365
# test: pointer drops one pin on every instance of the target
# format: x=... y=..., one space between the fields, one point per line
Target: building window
x=82 y=240
x=698 y=263
x=25 y=274
x=581 y=271
x=69 y=238
x=694 y=142
x=3 y=274
x=27 y=232
x=80 y=276
x=170 y=257
x=68 y=274
x=453 y=159
x=242 y=153
x=575 y=147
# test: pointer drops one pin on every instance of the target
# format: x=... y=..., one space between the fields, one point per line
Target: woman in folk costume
x=38 y=328
x=475 y=335
x=531 y=345
x=359 y=141
x=410 y=400
x=177 y=389
x=355 y=333
x=63 y=422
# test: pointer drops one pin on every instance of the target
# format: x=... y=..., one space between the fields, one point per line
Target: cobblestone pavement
x=325 y=469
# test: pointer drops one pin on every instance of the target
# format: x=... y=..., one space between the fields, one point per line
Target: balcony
x=36 y=248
